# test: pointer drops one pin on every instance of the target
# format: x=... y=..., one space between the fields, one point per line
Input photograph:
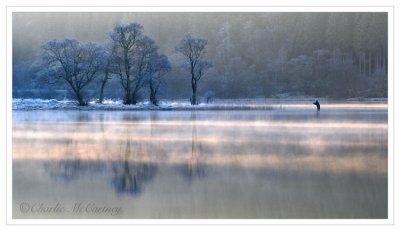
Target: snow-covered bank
x=220 y=104
x=40 y=104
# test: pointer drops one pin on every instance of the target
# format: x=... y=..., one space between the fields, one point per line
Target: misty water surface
x=205 y=164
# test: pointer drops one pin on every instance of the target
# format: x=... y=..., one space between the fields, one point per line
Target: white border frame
x=388 y=9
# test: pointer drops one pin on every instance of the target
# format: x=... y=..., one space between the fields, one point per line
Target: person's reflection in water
x=317 y=114
x=194 y=169
x=130 y=175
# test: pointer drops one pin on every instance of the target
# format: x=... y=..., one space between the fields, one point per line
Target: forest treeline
x=336 y=55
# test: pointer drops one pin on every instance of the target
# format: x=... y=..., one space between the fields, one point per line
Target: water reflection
x=66 y=170
x=234 y=164
x=130 y=177
x=72 y=170
x=194 y=169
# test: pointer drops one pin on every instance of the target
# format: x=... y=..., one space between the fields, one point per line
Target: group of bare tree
x=130 y=55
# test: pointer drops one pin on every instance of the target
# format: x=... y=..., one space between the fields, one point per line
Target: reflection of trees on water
x=129 y=177
x=69 y=170
x=137 y=163
x=130 y=117
x=84 y=116
x=194 y=169
x=66 y=170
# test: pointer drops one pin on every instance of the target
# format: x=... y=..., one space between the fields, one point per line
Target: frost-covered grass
x=109 y=104
x=218 y=104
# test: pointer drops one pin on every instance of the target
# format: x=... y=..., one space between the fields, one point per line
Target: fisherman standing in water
x=316 y=103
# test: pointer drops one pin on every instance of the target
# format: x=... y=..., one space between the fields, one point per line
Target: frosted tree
x=194 y=50
x=126 y=38
x=73 y=62
x=136 y=61
x=146 y=50
x=157 y=68
x=108 y=68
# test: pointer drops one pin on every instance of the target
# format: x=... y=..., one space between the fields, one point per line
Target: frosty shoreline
x=219 y=104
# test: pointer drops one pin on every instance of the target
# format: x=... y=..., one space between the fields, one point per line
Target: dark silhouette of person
x=316 y=103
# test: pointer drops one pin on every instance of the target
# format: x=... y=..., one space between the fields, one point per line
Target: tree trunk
x=135 y=94
x=194 y=85
x=193 y=100
x=128 y=91
x=81 y=102
x=127 y=98
x=130 y=98
x=78 y=95
x=153 y=98
x=103 y=84
x=128 y=95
